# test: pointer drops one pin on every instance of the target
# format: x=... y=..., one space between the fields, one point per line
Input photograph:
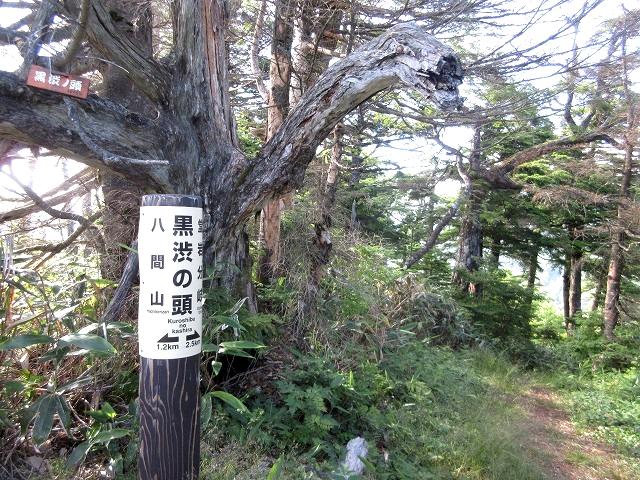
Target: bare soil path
x=565 y=453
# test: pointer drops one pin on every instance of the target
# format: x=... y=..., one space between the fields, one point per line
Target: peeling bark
x=121 y=196
x=616 y=263
x=293 y=72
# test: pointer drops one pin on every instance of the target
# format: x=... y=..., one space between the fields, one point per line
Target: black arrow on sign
x=193 y=336
x=168 y=339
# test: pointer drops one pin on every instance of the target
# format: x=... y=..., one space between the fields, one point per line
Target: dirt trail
x=564 y=453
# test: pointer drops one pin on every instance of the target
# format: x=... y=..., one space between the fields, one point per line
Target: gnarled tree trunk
x=189 y=146
x=469 y=245
x=566 y=294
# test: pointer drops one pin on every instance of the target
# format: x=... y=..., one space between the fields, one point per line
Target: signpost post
x=170 y=336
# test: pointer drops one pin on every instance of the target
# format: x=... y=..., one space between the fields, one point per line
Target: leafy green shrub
x=429 y=315
x=586 y=349
x=503 y=308
x=423 y=411
x=319 y=408
x=607 y=404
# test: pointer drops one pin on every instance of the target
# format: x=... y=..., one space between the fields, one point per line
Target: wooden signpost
x=170 y=336
x=66 y=84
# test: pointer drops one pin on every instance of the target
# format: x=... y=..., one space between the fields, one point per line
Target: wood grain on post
x=169 y=387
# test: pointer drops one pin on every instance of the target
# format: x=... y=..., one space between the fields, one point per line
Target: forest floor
x=565 y=452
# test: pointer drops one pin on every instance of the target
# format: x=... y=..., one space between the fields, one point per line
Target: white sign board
x=171 y=272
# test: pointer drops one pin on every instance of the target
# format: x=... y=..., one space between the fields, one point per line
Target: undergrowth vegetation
x=425 y=412
x=429 y=379
x=431 y=382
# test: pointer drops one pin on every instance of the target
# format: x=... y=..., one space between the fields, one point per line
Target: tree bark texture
x=566 y=295
x=122 y=197
x=120 y=222
x=616 y=262
x=611 y=315
x=469 y=247
x=575 y=273
x=470 y=238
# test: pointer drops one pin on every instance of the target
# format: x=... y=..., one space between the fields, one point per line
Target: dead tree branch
x=22 y=212
x=58 y=247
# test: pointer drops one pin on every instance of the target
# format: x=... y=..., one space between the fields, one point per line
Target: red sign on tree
x=73 y=85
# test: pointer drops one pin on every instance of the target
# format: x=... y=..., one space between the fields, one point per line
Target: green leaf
x=210 y=347
x=78 y=454
x=45 y=410
x=230 y=400
x=13 y=386
x=108 y=435
x=235 y=352
x=103 y=283
x=63 y=410
x=241 y=344
x=80 y=382
x=216 y=367
x=93 y=343
x=105 y=414
x=236 y=308
x=127 y=247
x=26 y=340
x=275 y=472
x=205 y=410
x=60 y=314
x=92 y=327
x=231 y=321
